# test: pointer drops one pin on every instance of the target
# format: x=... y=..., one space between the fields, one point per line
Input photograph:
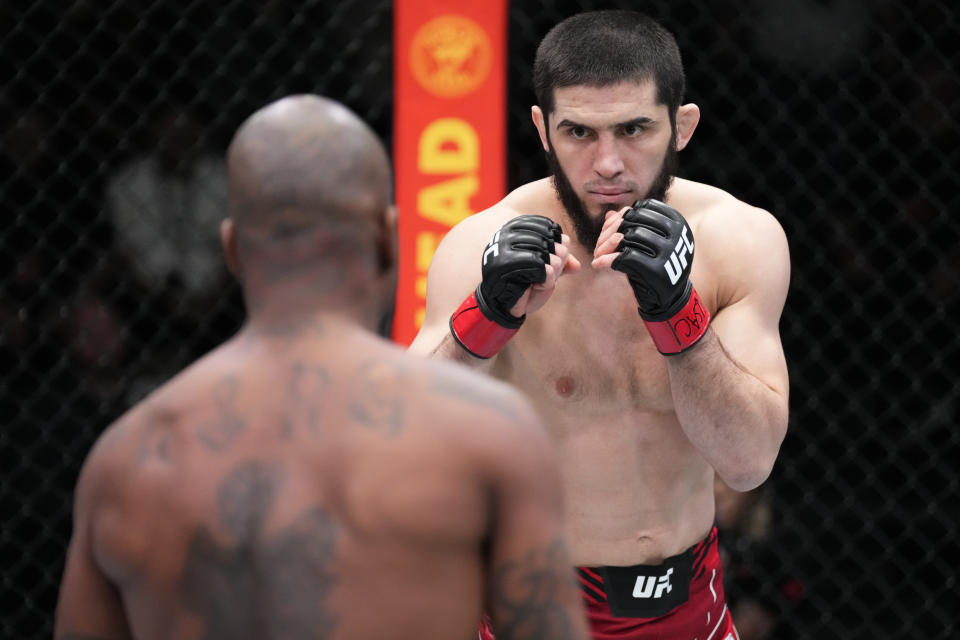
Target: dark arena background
x=838 y=116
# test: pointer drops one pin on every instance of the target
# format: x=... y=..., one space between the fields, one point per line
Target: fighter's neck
x=281 y=321
x=306 y=298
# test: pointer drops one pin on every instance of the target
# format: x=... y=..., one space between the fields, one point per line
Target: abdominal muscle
x=636 y=491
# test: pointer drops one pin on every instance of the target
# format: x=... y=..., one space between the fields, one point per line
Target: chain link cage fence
x=838 y=116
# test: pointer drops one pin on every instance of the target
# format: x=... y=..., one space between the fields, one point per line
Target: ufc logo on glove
x=493 y=248
x=656 y=239
x=678 y=259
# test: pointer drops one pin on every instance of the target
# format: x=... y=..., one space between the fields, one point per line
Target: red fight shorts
x=485 y=630
x=680 y=599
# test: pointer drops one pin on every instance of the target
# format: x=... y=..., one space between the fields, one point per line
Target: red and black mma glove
x=514 y=259
x=656 y=253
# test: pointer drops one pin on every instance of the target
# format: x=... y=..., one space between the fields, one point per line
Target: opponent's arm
x=89 y=606
x=532 y=592
x=728 y=374
x=517 y=271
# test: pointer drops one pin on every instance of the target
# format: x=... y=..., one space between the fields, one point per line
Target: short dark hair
x=602 y=48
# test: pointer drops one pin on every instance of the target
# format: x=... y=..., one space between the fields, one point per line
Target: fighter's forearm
x=449 y=349
x=733 y=418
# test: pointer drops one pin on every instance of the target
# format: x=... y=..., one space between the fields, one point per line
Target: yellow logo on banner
x=451 y=56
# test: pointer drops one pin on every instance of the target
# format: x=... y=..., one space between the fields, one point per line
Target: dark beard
x=587 y=227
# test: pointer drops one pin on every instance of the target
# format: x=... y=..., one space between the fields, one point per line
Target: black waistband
x=645 y=591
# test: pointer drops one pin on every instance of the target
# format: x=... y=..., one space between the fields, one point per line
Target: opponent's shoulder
x=172 y=407
x=492 y=427
x=437 y=400
x=189 y=388
x=113 y=460
x=479 y=397
x=467 y=406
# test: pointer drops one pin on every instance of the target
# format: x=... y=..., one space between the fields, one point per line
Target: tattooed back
x=320 y=483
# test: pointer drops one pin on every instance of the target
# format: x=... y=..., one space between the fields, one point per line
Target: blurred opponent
x=308 y=479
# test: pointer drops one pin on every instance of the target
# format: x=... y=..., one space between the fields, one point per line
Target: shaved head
x=305 y=165
x=311 y=211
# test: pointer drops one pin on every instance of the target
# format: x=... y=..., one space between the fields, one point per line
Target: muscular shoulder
x=481 y=397
x=742 y=246
x=476 y=230
x=474 y=409
x=152 y=427
x=113 y=460
x=532 y=198
x=717 y=216
x=538 y=197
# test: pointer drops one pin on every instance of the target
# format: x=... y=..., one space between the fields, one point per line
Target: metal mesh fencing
x=839 y=117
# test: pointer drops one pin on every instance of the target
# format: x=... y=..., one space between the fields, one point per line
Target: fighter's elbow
x=745 y=479
x=745 y=473
x=752 y=464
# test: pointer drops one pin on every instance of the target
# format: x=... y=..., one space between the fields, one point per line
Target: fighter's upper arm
x=527 y=541
x=454 y=273
x=754 y=266
x=89 y=605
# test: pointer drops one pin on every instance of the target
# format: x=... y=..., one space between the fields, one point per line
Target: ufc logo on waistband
x=493 y=248
x=652 y=586
x=678 y=259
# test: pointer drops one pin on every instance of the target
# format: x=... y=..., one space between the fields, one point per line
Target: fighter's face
x=607 y=147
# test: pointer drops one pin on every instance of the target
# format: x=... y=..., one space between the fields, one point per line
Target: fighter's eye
x=632 y=129
x=579 y=132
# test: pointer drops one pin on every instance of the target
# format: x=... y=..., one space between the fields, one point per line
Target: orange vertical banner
x=449 y=125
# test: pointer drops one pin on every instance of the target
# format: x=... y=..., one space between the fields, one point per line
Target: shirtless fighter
x=646 y=407
x=308 y=479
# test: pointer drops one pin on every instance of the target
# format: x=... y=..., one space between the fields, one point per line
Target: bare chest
x=587 y=353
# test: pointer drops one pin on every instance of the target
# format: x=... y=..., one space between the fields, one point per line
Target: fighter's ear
x=540 y=122
x=228 y=239
x=387 y=239
x=688 y=116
